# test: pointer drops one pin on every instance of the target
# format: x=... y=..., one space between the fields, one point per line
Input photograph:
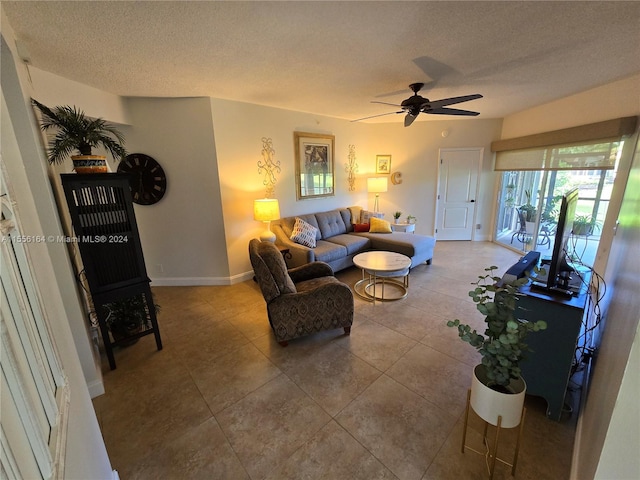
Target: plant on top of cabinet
x=78 y=133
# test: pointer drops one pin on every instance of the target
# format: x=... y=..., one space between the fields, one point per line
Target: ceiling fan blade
x=451 y=111
x=379 y=115
x=386 y=103
x=408 y=119
x=450 y=101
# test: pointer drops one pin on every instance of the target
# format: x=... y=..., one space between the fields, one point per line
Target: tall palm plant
x=77 y=132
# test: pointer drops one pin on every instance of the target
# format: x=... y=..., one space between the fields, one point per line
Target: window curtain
x=596 y=146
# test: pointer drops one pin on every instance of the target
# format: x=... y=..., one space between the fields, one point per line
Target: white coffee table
x=381 y=267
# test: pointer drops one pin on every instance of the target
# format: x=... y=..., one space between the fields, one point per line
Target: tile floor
x=223 y=400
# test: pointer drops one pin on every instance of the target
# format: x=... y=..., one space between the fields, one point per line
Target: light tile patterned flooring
x=223 y=400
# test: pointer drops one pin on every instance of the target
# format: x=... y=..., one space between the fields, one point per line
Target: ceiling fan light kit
x=417 y=104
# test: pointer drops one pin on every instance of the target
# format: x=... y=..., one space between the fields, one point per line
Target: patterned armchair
x=303 y=300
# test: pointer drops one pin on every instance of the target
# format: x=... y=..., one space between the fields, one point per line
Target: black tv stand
x=547 y=368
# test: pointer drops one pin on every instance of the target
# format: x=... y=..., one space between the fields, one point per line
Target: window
x=536 y=172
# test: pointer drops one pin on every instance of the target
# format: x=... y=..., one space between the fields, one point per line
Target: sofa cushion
x=304 y=233
x=287 y=224
x=346 y=218
x=409 y=244
x=353 y=243
x=327 y=251
x=361 y=227
x=275 y=263
x=330 y=224
x=379 y=225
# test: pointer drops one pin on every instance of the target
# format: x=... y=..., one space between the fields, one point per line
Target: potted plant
x=411 y=219
x=529 y=210
x=78 y=133
x=584 y=225
x=127 y=317
x=497 y=387
x=397 y=216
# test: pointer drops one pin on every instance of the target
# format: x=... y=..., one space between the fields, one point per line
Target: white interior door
x=457 y=191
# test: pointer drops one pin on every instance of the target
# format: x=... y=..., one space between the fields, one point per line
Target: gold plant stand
x=491 y=453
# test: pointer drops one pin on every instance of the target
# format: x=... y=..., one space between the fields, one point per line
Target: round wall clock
x=148 y=180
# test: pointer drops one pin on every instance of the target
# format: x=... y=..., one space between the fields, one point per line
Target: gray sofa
x=337 y=243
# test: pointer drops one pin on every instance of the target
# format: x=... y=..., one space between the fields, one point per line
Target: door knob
x=473 y=201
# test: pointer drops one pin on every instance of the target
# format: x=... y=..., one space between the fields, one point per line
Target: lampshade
x=266 y=209
x=377 y=184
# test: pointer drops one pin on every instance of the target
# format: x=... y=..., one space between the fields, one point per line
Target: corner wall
x=182 y=235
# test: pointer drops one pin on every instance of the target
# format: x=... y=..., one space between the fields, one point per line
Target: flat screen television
x=559 y=262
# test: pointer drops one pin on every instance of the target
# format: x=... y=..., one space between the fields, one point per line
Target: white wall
x=53 y=90
x=613 y=100
x=184 y=231
x=416 y=155
x=239 y=128
x=619 y=458
x=86 y=455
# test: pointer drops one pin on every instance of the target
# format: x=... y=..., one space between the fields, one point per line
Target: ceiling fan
x=416 y=104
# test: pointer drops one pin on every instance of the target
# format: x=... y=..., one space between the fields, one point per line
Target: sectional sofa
x=337 y=242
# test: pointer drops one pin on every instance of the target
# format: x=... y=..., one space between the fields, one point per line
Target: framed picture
x=314 y=165
x=383 y=164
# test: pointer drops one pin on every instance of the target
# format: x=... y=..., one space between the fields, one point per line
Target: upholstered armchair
x=303 y=300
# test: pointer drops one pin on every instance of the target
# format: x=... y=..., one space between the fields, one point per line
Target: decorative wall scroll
x=314 y=165
x=351 y=168
x=268 y=166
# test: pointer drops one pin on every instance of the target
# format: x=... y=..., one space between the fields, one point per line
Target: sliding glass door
x=529 y=200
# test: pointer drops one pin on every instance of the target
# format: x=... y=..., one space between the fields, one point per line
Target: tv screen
x=563 y=231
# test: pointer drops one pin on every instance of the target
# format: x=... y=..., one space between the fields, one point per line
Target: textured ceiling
x=334 y=58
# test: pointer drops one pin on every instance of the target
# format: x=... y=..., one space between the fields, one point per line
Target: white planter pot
x=489 y=404
x=530 y=227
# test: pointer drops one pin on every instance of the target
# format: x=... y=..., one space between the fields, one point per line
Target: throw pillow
x=304 y=233
x=379 y=226
x=361 y=227
x=366 y=216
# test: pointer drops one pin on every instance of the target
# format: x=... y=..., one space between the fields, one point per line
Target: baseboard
x=242 y=277
x=482 y=238
x=96 y=388
x=200 y=281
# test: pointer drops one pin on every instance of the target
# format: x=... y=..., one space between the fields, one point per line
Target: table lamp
x=265 y=210
x=376 y=185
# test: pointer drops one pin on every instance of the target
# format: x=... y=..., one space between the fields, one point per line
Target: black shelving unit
x=106 y=232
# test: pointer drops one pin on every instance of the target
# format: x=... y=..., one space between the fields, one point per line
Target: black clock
x=148 y=180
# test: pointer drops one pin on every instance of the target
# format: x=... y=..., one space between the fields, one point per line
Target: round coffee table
x=380 y=267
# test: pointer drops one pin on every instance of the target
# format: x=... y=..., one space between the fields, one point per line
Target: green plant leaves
x=77 y=132
x=503 y=345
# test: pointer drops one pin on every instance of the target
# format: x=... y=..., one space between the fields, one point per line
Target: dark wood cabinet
x=547 y=368
x=106 y=233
